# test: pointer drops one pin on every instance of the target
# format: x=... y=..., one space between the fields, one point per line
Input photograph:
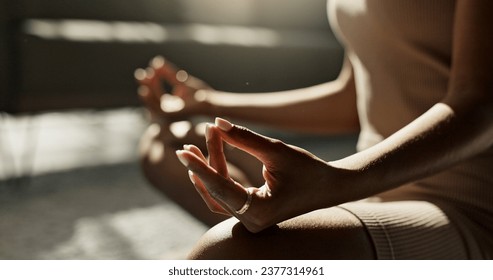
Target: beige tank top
x=401 y=55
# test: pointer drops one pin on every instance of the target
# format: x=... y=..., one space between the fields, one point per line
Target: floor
x=71 y=188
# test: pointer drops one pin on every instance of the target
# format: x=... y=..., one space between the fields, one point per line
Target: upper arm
x=471 y=79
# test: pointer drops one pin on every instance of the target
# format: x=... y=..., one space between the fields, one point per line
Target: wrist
x=347 y=183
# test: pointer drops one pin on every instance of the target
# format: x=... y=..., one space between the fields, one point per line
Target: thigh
x=410 y=230
x=331 y=233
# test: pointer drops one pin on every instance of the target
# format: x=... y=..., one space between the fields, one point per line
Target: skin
x=281 y=209
x=161 y=166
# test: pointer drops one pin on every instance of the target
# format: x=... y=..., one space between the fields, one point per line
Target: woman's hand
x=186 y=98
x=296 y=181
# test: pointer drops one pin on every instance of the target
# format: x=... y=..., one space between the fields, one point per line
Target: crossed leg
x=331 y=233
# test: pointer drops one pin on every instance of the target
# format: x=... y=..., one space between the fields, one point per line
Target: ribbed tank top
x=400 y=51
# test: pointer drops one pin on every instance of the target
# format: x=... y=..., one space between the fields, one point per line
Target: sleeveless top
x=401 y=52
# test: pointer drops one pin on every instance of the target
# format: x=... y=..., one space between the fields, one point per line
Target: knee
x=226 y=240
x=323 y=234
x=154 y=158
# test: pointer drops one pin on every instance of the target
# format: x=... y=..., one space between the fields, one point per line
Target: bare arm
x=458 y=128
x=324 y=108
x=296 y=182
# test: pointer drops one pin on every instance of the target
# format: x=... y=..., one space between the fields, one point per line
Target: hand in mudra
x=185 y=98
x=296 y=181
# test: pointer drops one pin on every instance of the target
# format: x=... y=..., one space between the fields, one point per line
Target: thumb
x=262 y=147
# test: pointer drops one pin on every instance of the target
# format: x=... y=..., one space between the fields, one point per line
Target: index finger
x=216 y=153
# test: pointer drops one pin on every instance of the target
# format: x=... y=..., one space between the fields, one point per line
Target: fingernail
x=157 y=62
x=140 y=74
x=182 y=76
x=208 y=133
x=182 y=158
x=200 y=95
x=149 y=73
x=186 y=147
x=223 y=124
x=190 y=175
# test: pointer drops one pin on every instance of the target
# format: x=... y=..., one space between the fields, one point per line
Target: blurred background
x=70 y=183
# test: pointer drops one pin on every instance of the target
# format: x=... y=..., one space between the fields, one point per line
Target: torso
x=401 y=56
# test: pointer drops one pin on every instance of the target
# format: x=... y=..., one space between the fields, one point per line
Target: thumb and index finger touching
x=177 y=78
x=161 y=69
x=255 y=144
x=263 y=148
x=168 y=71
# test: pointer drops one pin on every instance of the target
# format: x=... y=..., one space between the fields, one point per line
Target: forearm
x=324 y=108
x=452 y=131
x=438 y=139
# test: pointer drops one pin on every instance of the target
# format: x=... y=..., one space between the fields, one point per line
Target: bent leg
x=331 y=233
